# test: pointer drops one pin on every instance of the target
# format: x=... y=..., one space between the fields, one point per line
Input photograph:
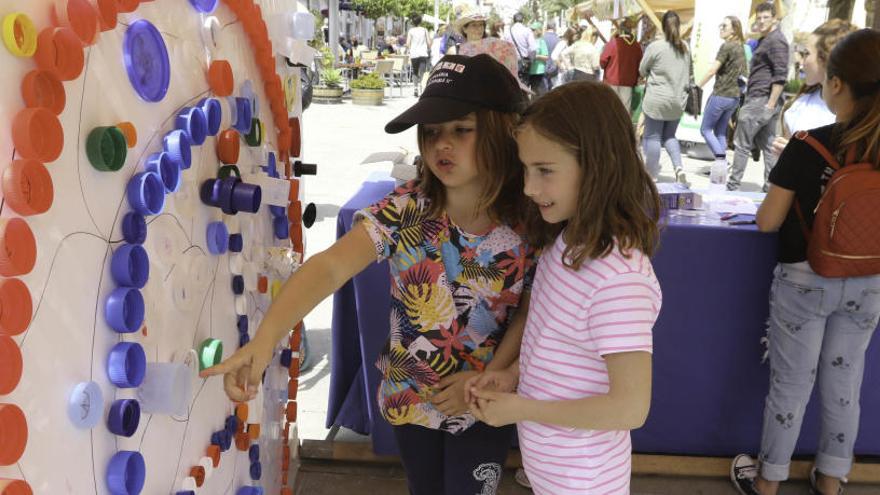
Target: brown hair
x=855 y=60
x=498 y=163
x=765 y=7
x=571 y=35
x=827 y=35
x=737 y=27
x=672 y=31
x=618 y=202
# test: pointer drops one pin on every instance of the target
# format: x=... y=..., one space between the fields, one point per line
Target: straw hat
x=467 y=16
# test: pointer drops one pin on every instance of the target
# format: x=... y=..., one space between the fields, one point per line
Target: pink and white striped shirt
x=575 y=318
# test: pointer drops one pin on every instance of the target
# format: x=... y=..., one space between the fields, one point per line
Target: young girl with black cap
x=461 y=273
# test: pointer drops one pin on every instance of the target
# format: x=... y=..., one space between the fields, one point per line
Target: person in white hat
x=472 y=25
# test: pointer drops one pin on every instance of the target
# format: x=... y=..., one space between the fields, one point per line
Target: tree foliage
x=374 y=9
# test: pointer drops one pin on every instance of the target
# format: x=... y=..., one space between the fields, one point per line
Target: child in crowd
x=819 y=326
x=461 y=272
x=583 y=379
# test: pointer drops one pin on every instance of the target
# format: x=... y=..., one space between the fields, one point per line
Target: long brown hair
x=672 y=31
x=856 y=61
x=498 y=162
x=827 y=35
x=618 y=202
x=737 y=28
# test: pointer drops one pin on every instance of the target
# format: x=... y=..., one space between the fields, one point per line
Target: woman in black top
x=819 y=327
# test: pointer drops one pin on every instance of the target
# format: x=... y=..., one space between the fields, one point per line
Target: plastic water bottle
x=718 y=173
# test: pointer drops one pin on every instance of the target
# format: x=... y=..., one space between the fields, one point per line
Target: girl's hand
x=243 y=371
x=450 y=399
x=779 y=144
x=497 y=408
x=495 y=381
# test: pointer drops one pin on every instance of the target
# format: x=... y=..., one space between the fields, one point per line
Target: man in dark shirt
x=757 y=121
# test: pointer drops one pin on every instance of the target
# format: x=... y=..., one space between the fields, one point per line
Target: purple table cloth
x=709 y=384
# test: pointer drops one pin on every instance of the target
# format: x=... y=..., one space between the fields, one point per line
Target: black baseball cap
x=459 y=85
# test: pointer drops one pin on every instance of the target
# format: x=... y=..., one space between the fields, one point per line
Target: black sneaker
x=814 y=490
x=743 y=471
x=756 y=154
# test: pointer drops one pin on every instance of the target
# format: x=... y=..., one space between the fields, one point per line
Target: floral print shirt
x=452 y=296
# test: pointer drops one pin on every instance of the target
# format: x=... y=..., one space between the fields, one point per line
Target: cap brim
x=430 y=110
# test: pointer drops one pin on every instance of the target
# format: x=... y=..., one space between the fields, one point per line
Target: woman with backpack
x=825 y=296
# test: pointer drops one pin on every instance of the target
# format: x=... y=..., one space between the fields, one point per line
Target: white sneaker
x=521 y=478
x=743 y=472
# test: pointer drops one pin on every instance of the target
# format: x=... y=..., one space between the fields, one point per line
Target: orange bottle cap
x=80 y=16
x=107 y=12
x=294 y=190
x=296 y=238
x=286 y=436
x=293 y=371
x=292 y=388
x=16 y=307
x=284 y=479
x=253 y=430
x=198 y=473
x=130 y=132
x=27 y=187
x=37 y=134
x=242 y=441
x=42 y=88
x=18 y=248
x=213 y=451
x=294 y=212
x=295 y=138
x=241 y=412
x=10 y=365
x=228 y=146
x=127 y=5
x=60 y=50
x=15 y=487
x=220 y=78
x=13 y=434
x=286 y=491
x=285 y=450
x=262 y=284
x=291 y=411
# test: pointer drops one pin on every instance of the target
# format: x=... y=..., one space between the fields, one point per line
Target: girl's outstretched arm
x=316 y=279
x=624 y=407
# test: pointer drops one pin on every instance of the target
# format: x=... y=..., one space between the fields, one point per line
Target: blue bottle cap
x=226 y=440
x=277 y=211
x=177 y=145
x=85 y=405
x=126 y=473
x=242 y=323
x=127 y=365
x=242 y=115
x=231 y=424
x=213 y=114
x=124 y=417
x=225 y=196
x=250 y=490
x=247 y=91
x=256 y=471
x=217 y=237
x=134 y=228
x=243 y=339
x=162 y=164
x=146 y=61
x=204 y=6
x=281 y=227
x=247 y=197
x=193 y=122
x=216 y=439
x=185 y=492
x=271 y=165
x=254 y=452
x=286 y=358
x=236 y=243
x=146 y=193
x=209 y=192
x=124 y=309
x=237 y=284
x=130 y=266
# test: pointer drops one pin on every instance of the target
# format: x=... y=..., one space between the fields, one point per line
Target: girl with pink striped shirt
x=583 y=378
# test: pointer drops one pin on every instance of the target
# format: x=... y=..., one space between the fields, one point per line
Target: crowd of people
x=522 y=287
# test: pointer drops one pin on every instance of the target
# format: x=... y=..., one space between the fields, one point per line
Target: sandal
x=814 y=490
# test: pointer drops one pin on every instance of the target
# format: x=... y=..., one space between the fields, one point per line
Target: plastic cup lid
x=15 y=487
x=146 y=61
x=60 y=51
x=42 y=88
x=27 y=187
x=15 y=306
x=126 y=473
x=108 y=11
x=18 y=248
x=13 y=434
x=10 y=365
x=228 y=146
x=80 y=16
x=37 y=134
x=85 y=405
x=220 y=78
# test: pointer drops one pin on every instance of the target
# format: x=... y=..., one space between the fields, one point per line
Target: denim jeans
x=819 y=329
x=755 y=127
x=657 y=132
x=716 y=119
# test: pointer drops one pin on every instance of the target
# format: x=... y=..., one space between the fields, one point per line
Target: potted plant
x=368 y=89
x=330 y=89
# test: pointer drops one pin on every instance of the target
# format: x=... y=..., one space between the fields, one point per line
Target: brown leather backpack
x=845 y=238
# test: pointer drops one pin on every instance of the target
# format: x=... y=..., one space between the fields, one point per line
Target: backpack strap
x=819 y=147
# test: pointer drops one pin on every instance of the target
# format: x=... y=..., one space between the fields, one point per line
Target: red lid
x=213 y=451
x=18 y=248
x=294 y=212
x=107 y=12
x=10 y=365
x=294 y=190
x=241 y=412
x=242 y=441
x=13 y=434
x=291 y=413
x=253 y=430
x=37 y=134
x=16 y=307
x=292 y=389
x=130 y=132
x=228 y=146
x=14 y=487
x=60 y=50
x=80 y=16
x=198 y=473
x=220 y=78
x=127 y=5
x=27 y=187
x=42 y=88
x=296 y=238
x=293 y=371
x=295 y=138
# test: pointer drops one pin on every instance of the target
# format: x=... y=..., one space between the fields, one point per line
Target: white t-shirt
x=808 y=112
x=418 y=42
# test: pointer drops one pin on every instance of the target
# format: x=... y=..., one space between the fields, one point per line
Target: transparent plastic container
x=166 y=389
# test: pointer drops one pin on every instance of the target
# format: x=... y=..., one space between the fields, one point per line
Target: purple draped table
x=709 y=383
